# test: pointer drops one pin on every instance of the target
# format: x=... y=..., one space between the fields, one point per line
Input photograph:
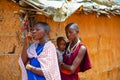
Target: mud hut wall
x=9 y=42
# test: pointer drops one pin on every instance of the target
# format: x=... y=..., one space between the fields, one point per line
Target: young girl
x=61 y=44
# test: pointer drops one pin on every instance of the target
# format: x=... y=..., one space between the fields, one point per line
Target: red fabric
x=85 y=64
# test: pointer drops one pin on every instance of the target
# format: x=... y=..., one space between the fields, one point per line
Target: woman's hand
x=64 y=70
x=35 y=70
x=29 y=37
x=61 y=63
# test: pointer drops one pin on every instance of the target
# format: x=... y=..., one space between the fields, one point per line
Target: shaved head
x=44 y=25
x=72 y=25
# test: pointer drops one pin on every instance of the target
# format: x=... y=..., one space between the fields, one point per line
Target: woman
x=76 y=58
x=39 y=61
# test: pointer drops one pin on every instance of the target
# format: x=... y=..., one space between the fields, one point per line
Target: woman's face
x=38 y=32
x=71 y=33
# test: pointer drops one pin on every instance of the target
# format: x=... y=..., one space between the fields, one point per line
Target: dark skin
x=61 y=45
x=38 y=34
x=72 y=35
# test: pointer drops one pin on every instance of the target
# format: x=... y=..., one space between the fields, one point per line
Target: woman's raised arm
x=24 y=55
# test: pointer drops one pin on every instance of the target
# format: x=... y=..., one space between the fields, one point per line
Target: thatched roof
x=60 y=10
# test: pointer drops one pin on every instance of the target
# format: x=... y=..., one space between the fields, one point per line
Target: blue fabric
x=34 y=62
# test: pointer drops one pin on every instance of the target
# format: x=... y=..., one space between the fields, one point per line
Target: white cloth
x=60 y=55
x=47 y=59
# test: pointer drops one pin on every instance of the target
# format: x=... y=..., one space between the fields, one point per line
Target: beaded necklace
x=70 y=51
